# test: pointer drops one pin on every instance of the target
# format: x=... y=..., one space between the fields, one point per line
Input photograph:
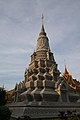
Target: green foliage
x=5 y=113
x=2 y=97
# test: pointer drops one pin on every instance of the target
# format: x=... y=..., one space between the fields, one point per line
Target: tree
x=5 y=113
x=2 y=96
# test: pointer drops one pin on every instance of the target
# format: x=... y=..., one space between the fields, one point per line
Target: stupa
x=44 y=91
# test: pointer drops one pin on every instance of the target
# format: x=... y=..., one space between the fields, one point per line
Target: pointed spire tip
x=42 y=20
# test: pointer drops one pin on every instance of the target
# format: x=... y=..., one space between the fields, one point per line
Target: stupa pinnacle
x=42 y=42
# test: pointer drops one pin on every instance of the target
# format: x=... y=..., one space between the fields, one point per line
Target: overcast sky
x=20 y=24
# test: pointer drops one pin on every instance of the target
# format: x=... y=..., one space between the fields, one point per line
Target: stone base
x=36 y=110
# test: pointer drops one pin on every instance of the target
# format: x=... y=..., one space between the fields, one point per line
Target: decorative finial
x=42 y=29
x=42 y=20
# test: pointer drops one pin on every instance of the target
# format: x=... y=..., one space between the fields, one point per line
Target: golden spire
x=66 y=71
x=69 y=78
x=65 y=68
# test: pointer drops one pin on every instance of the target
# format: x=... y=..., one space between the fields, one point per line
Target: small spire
x=65 y=68
x=66 y=71
x=3 y=86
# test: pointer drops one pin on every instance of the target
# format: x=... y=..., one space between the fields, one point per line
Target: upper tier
x=42 y=42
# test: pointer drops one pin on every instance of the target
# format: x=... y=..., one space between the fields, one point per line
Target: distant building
x=44 y=91
x=9 y=96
